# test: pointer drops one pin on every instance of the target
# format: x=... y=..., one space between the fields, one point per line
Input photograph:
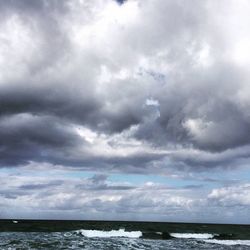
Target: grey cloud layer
x=76 y=77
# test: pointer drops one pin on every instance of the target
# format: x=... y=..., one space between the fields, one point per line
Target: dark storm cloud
x=166 y=81
x=70 y=104
x=25 y=137
x=56 y=102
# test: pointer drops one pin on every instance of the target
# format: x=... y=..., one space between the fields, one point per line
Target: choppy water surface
x=112 y=235
x=74 y=240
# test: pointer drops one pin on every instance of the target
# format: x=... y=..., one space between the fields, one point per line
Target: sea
x=111 y=235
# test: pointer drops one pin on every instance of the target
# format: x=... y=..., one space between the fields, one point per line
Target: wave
x=225 y=236
x=229 y=239
x=225 y=239
x=109 y=234
x=192 y=235
x=156 y=235
x=229 y=242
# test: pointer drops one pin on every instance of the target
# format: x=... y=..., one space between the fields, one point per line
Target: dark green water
x=232 y=231
x=43 y=234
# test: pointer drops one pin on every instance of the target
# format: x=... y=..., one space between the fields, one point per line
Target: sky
x=125 y=110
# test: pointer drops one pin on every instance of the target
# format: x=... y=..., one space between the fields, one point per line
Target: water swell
x=224 y=236
x=156 y=235
x=122 y=233
x=221 y=239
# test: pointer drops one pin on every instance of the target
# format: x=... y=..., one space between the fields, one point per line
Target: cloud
x=129 y=87
x=26 y=137
x=57 y=196
x=95 y=195
x=231 y=196
x=120 y=1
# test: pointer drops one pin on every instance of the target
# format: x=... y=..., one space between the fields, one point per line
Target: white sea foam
x=67 y=234
x=229 y=242
x=109 y=234
x=192 y=235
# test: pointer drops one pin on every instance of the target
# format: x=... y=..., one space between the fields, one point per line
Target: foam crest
x=230 y=242
x=192 y=236
x=109 y=234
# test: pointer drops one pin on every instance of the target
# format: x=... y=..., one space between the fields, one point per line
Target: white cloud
x=232 y=195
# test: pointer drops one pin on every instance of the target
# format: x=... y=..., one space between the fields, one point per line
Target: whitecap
x=109 y=234
x=67 y=234
x=192 y=235
x=160 y=233
x=230 y=242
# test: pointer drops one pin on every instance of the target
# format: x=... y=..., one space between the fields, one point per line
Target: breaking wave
x=192 y=235
x=229 y=242
x=109 y=234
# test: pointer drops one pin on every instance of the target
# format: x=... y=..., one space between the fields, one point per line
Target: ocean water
x=124 y=235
